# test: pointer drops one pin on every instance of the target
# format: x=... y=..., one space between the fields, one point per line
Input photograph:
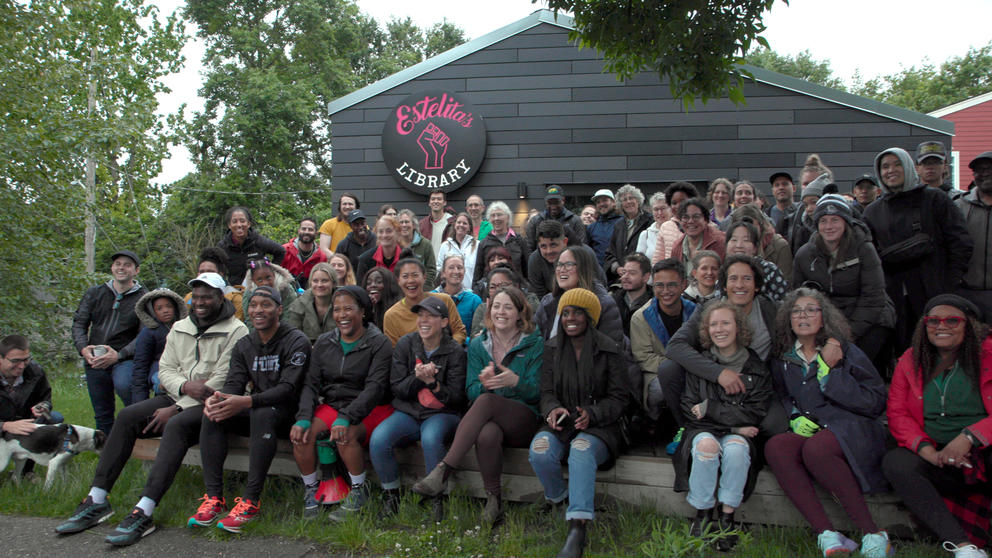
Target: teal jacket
x=526 y=360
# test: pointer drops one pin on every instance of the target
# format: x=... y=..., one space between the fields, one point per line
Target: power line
x=247 y=193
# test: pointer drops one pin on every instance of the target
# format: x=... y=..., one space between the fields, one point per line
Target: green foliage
x=672 y=539
x=52 y=52
x=695 y=46
x=802 y=66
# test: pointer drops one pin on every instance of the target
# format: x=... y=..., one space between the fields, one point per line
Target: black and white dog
x=49 y=445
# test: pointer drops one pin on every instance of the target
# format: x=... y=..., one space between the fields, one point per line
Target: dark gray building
x=553 y=117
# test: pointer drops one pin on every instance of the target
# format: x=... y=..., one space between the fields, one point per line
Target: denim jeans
x=585 y=454
x=400 y=429
x=730 y=463
x=102 y=384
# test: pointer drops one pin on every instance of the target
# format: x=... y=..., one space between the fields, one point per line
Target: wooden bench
x=643 y=480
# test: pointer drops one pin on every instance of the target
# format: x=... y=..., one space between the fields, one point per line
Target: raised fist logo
x=434 y=143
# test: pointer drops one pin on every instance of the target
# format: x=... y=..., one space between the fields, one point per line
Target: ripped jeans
x=585 y=453
x=726 y=459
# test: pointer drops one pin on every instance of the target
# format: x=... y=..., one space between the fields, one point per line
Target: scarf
x=379 y=260
x=734 y=362
x=573 y=380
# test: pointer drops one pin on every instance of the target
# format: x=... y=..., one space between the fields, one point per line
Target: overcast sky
x=877 y=37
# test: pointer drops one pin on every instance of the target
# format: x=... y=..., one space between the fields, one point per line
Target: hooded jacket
x=978 y=221
x=599 y=234
x=513 y=243
x=194 y=355
x=891 y=219
x=525 y=360
x=575 y=231
x=302 y=315
x=284 y=283
x=101 y=320
x=855 y=283
x=271 y=373
x=150 y=343
x=254 y=247
x=450 y=360
x=33 y=390
x=353 y=384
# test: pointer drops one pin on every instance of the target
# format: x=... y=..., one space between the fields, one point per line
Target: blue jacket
x=849 y=403
x=599 y=234
x=150 y=342
x=466 y=302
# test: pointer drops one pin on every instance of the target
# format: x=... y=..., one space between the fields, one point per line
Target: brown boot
x=493 y=513
x=435 y=482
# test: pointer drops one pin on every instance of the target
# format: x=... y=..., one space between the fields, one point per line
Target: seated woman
x=343 y=273
x=835 y=397
x=346 y=393
x=383 y=290
x=497 y=256
x=401 y=319
x=576 y=269
x=387 y=250
x=583 y=398
x=311 y=312
x=705 y=269
x=428 y=385
x=501 y=277
x=157 y=311
x=720 y=427
x=450 y=283
x=743 y=239
x=841 y=261
x=504 y=371
x=263 y=273
x=940 y=413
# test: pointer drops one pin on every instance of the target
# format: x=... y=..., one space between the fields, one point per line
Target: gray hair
x=834 y=323
x=409 y=213
x=497 y=206
x=630 y=190
x=656 y=197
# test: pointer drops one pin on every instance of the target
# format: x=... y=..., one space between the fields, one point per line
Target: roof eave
x=961 y=105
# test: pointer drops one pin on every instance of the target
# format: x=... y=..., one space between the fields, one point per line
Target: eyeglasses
x=673 y=286
x=16 y=361
x=498 y=286
x=808 y=311
x=693 y=217
x=566 y=265
x=951 y=321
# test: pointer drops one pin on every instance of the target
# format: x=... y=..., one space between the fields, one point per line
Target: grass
x=626 y=531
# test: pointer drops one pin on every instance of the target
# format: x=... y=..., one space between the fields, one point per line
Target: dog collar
x=66 y=443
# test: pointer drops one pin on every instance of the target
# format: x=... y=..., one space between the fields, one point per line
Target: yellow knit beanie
x=581 y=298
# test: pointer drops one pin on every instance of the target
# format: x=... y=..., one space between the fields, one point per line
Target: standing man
x=625 y=232
x=104 y=328
x=600 y=232
x=633 y=291
x=799 y=226
x=865 y=190
x=976 y=206
x=269 y=365
x=783 y=190
x=432 y=226
x=554 y=209
x=931 y=166
x=193 y=365
x=333 y=231
x=302 y=252
x=653 y=325
x=476 y=209
x=360 y=240
x=25 y=395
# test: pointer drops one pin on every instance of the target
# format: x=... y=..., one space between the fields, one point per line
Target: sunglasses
x=933 y=322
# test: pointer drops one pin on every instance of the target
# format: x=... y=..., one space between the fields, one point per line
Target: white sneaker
x=966 y=551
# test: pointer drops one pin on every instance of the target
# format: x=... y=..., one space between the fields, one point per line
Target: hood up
x=144 y=307
x=912 y=180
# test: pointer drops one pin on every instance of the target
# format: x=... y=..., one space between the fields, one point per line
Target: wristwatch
x=179 y=409
x=971 y=437
x=432 y=385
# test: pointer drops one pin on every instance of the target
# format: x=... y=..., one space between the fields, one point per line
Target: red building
x=972 y=120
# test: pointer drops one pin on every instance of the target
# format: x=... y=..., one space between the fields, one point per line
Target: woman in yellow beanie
x=584 y=392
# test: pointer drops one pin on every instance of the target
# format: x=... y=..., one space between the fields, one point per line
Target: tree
x=53 y=51
x=695 y=45
x=802 y=66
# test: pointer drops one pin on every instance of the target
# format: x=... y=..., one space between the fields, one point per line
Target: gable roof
x=566 y=22
x=967 y=103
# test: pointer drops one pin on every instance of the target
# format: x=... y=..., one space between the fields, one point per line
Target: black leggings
x=180 y=433
x=264 y=425
x=922 y=485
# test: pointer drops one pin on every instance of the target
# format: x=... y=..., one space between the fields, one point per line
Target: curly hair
x=759 y=274
x=719 y=182
x=525 y=318
x=925 y=355
x=743 y=331
x=834 y=324
x=631 y=190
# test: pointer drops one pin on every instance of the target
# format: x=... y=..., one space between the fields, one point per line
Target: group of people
x=763 y=336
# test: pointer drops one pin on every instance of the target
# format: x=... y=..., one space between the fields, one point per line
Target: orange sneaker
x=245 y=511
x=210 y=509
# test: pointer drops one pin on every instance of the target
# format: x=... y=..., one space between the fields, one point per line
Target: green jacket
x=526 y=360
x=422 y=249
x=301 y=314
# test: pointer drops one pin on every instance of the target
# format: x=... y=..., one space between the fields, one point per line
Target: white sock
x=310 y=480
x=99 y=495
x=146 y=505
x=357 y=479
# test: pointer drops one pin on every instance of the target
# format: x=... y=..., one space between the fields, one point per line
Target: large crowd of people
x=838 y=336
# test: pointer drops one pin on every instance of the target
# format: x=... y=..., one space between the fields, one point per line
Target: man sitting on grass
x=194 y=364
x=269 y=364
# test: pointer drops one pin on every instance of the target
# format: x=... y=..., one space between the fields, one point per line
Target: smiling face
x=982 y=173
x=463 y=226
x=693 y=221
x=348 y=317
x=374 y=285
x=407 y=226
x=474 y=207
x=566 y=271
x=588 y=215
x=783 y=189
x=206 y=301
x=891 y=172
x=307 y=232
x=551 y=248
x=741 y=287
x=604 y=205
x=660 y=211
x=347 y=204
x=123 y=269
x=831 y=228
x=944 y=336
x=706 y=274
x=385 y=234
x=13 y=364
x=630 y=205
x=453 y=272
x=436 y=202
x=500 y=221
x=263 y=276
x=411 y=281
x=743 y=194
x=667 y=287
x=359 y=231
x=574 y=321
x=504 y=314
x=264 y=313
x=806 y=317
x=321 y=284
x=164 y=310
x=740 y=243
x=555 y=207
x=495 y=260
x=722 y=328
x=430 y=326
x=340 y=267
x=721 y=195
x=239 y=225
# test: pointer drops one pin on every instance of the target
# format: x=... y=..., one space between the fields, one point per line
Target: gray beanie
x=833 y=204
x=817 y=186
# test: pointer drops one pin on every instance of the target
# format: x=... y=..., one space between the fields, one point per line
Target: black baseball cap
x=354 y=215
x=128 y=253
x=432 y=304
x=771 y=179
x=866 y=176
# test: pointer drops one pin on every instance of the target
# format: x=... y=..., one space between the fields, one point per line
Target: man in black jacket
x=25 y=395
x=269 y=364
x=104 y=329
x=360 y=240
x=554 y=203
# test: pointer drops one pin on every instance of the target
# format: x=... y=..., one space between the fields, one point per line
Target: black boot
x=390 y=503
x=728 y=538
x=701 y=523
x=575 y=541
x=493 y=513
x=437 y=508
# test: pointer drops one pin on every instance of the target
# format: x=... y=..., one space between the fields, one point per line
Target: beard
x=306 y=238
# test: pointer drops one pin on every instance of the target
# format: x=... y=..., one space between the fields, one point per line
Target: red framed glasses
x=951 y=321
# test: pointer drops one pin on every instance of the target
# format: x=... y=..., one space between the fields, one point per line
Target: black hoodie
x=272 y=373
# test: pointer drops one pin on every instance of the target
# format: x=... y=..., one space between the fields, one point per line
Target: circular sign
x=433 y=140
